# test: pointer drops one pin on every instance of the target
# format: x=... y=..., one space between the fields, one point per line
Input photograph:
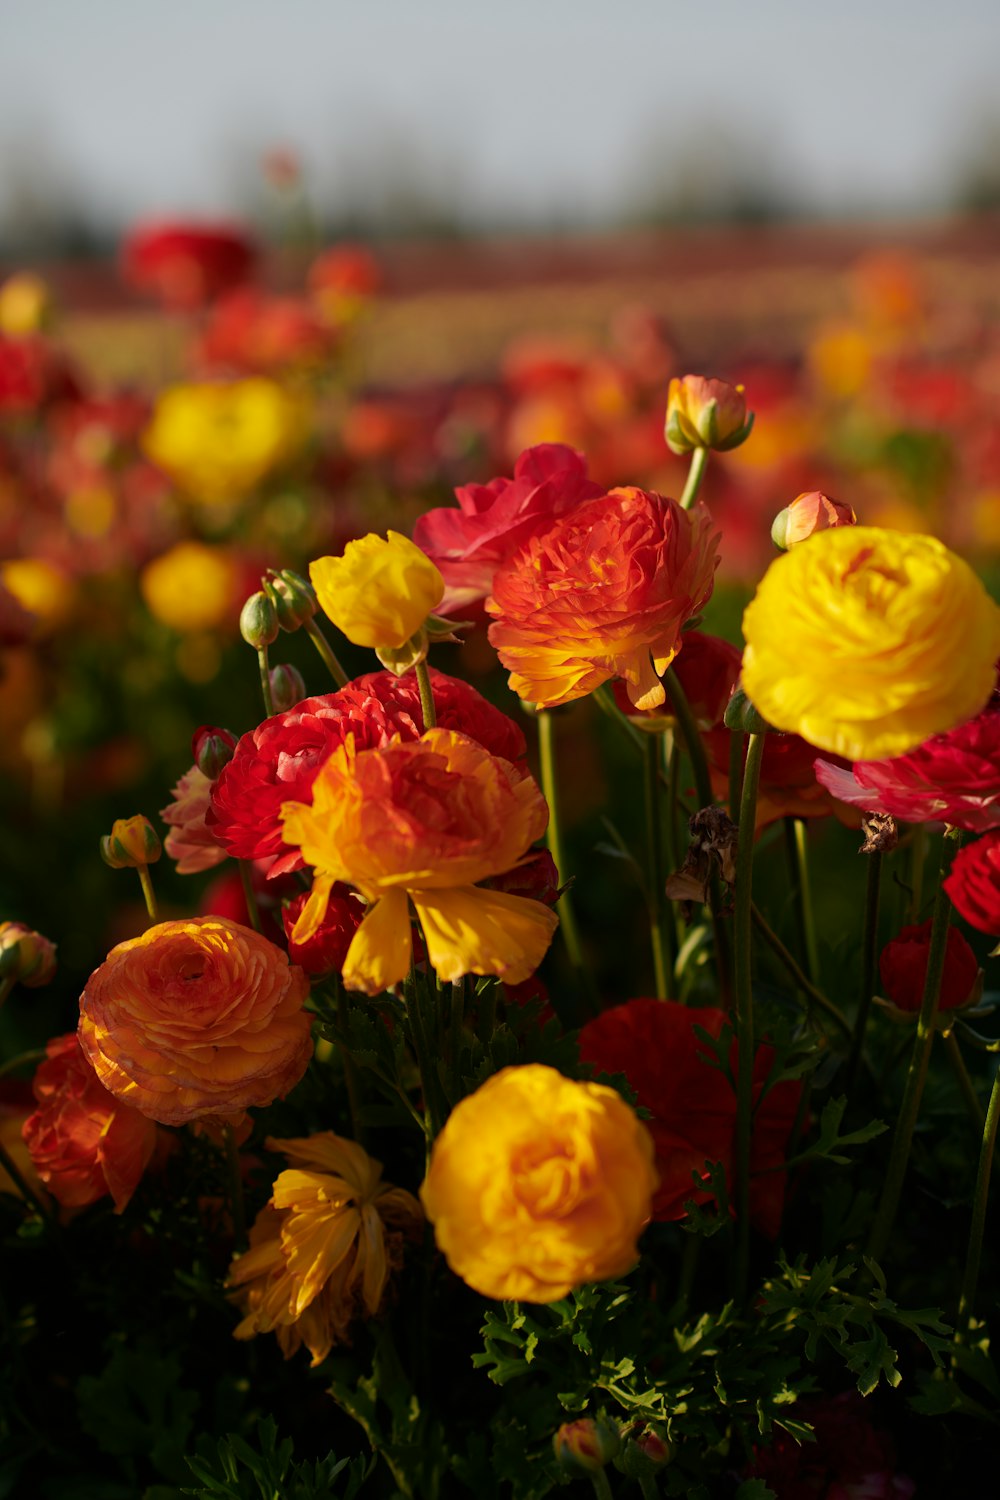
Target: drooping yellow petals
x=469 y=930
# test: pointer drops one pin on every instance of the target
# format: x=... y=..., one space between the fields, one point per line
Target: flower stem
x=8 y=1165
x=689 y=734
x=553 y=836
x=648 y=1487
x=696 y=473
x=457 y=1020
x=869 y=950
x=235 y=1188
x=433 y=1114
x=798 y=858
x=426 y=695
x=657 y=875
x=602 y=1489
x=735 y=774
x=963 y=1080
x=913 y=1089
x=979 y=1198
x=265 y=682
x=149 y=895
x=21 y=1061
x=918 y=853
x=250 y=895
x=315 y=633
x=743 y=998
x=811 y=991
x=352 y=1079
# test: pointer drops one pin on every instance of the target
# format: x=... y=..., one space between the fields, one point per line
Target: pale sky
x=518 y=107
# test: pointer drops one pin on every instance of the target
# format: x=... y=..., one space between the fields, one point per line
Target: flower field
x=501 y=873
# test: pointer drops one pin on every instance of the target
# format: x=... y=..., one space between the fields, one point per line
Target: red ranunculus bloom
x=493 y=520
x=278 y=761
x=255 y=332
x=325 y=951
x=973 y=883
x=950 y=778
x=848 y=1460
x=789 y=784
x=692 y=1103
x=83 y=1141
x=902 y=966
x=187 y=264
x=604 y=593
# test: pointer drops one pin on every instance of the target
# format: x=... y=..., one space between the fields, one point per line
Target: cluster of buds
x=25 y=956
x=589 y=1444
x=703 y=412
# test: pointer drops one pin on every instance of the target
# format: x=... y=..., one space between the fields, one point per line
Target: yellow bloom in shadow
x=424 y=821
x=323 y=1249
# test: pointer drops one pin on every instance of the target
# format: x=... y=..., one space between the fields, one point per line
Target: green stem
x=22 y=1060
x=696 y=473
x=799 y=852
x=457 y=1021
x=265 y=682
x=689 y=734
x=657 y=876
x=352 y=1080
x=426 y=694
x=735 y=774
x=743 y=998
x=979 y=1199
x=869 y=952
x=812 y=992
x=433 y=1113
x=486 y=1018
x=6 y=985
x=315 y=633
x=648 y=1487
x=149 y=895
x=553 y=836
x=961 y=1072
x=913 y=1089
x=602 y=1487
x=250 y=895
x=918 y=853
x=17 y=1177
x=235 y=1189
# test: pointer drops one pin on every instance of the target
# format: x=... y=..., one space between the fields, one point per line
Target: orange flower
x=425 y=820
x=84 y=1142
x=604 y=593
x=194 y=1018
x=323 y=1249
x=703 y=412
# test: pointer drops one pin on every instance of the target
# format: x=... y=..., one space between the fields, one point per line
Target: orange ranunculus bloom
x=323 y=1249
x=84 y=1142
x=424 y=820
x=538 y=1184
x=194 y=1018
x=603 y=593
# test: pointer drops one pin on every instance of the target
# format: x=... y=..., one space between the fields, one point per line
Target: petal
x=382 y=948
x=473 y=931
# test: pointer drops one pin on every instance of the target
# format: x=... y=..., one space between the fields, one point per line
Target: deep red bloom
x=536 y=876
x=33 y=374
x=973 y=883
x=790 y=786
x=950 y=778
x=83 y=1141
x=325 y=951
x=849 y=1459
x=348 y=269
x=902 y=967
x=187 y=264
x=493 y=520
x=278 y=761
x=692 y=1103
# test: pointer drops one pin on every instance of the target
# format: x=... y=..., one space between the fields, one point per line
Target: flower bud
x=25 y=955
x=259 y=621
x=586 y=1444
x=293 y=597
x=287 y=687
x=705 y=413
x=132 y=842
x=741 y=715
x=902 y=968
x=644 y=1450
x=212 y=748
x=807 y=513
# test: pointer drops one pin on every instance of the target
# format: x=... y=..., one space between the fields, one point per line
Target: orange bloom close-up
x=195 y=1018
x=604 y=593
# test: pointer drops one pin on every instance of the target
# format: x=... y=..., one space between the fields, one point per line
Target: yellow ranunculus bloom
x=380 y=592
x=866 y=642
x=538 y=1184
x=219 y=441
x=192 y=587
x=41 y=588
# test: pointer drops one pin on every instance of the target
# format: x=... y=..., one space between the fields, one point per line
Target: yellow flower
x=323 y=1249
x=538 y=1184
x=41 y=588
x=380 y=592
x=219 y=441
x=25 y=305
x=424 y=820
x=866 y=642
x=192 y=587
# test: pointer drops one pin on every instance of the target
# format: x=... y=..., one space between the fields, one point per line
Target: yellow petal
x=382 y=947
x=311 y=916
x=469 y=930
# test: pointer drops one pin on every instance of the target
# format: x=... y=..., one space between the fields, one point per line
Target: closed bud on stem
x=586 y=1445
x=705 y=413
x=401 y=659
x=287 y=687
x=807 y=513
x=741 y=715
x=644 y=1450
x=212 y=749
x=25 y=956
x=293 y=597
x=131 y=845
x=259 y=621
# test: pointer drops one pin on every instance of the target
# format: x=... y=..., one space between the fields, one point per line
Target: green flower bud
x=287 y=687
x=25 y=955
x=293 y=597
x=742 y=716
x=259 y=621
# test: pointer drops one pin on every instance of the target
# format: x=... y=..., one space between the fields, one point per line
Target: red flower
x=708 y=669
x=83 y=1141
x=849 y=1459
x=187 y=264
x=903 y=968
x=252 y=331
x=493 y=520
x=325 y=951
x=278 y=761
x=790 y=786
x=692 y=1103
x=973 y=883
x=950 y=778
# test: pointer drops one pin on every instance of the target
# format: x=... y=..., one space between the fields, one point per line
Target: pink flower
x=190 y=841
x=493 y=520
